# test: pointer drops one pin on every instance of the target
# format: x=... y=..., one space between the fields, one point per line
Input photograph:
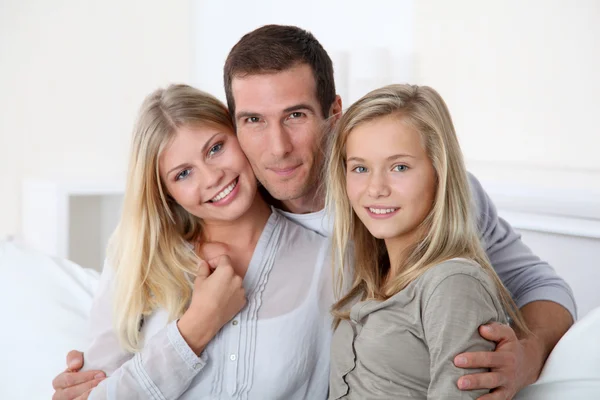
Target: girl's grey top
x=404 y=347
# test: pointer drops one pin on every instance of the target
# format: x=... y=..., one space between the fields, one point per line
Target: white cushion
x=572 y=370
x=45 y=303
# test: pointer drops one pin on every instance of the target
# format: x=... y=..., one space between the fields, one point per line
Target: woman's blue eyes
x=211 y=152
x=360 y=170
x=215 y=149
x=183 y=174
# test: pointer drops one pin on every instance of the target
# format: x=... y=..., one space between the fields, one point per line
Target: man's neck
x=312 y=202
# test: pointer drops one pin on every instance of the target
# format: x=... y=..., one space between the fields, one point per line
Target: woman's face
x=206 y=172
x=390 y=180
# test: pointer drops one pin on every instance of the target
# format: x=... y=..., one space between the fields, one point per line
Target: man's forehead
x=274 y=91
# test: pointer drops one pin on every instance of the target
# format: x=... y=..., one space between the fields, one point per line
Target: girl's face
x=206 y=172
x=390 y=180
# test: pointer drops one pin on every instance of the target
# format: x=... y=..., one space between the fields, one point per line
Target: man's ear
x=335 y=112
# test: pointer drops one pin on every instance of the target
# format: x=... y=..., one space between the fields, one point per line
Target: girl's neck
x=398 y=249
x=243 y=232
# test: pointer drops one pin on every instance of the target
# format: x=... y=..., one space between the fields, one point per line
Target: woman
x=178 y=316
x=421 y=285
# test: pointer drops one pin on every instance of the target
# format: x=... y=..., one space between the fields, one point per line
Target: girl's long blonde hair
x=151 y=251
x=449 y=227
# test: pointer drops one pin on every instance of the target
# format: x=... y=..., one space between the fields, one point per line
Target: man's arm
x=72 y=384
x=525 y=276
x=546 y=301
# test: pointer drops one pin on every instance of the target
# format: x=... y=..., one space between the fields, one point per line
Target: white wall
x=72 y=76
x=521 y=81
x=373 y=45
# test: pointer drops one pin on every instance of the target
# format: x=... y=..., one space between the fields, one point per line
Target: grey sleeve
x=455 y=309
x=526 y=277
x=163 y=369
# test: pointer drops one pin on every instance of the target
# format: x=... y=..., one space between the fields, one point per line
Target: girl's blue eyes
x=397 y=168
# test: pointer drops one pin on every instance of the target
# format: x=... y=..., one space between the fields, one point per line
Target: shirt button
x=234 y=322
x=197 y=365
x=232 y=357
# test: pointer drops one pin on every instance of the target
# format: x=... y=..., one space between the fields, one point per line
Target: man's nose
x=280 y=141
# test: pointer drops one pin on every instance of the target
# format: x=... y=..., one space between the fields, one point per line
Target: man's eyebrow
x=246 y=114
x=301 y=106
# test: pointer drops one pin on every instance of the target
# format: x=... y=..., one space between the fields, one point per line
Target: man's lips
x=284 y=171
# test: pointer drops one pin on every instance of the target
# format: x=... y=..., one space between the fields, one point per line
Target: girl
x=422 y=285
x=244 y=319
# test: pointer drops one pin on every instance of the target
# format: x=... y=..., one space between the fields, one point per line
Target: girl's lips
x=381 y=216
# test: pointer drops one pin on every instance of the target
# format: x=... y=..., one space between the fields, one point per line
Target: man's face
x=280 y=127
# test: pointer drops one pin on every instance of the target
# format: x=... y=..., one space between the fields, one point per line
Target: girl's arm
x=454 y=309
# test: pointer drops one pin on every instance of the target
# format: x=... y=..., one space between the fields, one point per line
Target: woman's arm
x=169 y=361
x=163 y=369
x=453 y=310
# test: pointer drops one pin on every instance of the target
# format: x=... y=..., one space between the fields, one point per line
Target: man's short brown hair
x=275 y=48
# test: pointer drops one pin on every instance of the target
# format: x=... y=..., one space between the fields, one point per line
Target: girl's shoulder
x=458 y=270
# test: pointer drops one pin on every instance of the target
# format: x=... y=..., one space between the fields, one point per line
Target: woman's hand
x=218 y=296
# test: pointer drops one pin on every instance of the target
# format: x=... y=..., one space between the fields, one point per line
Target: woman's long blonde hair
x=150 y=251
x=449 y=228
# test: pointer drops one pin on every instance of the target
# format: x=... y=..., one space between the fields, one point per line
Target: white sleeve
x=163 y=369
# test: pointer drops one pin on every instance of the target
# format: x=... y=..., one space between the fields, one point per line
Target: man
x=281 y=93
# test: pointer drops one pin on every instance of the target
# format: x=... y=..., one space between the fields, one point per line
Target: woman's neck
x=243 y=232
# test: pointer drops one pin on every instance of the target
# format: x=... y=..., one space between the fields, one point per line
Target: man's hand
x=74 y=385
x=514 y=364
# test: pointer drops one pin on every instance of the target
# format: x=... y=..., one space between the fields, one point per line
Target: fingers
x=497 y=332
x=203 y=271
x=68 y=379
x=499 y=394
x=74 y=360
x=74 y=392
x=481 y=359
x=488 y=380
x=220 y=261
x=84 y=396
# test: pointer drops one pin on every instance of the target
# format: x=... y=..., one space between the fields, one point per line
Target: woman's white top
x=277 y=347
